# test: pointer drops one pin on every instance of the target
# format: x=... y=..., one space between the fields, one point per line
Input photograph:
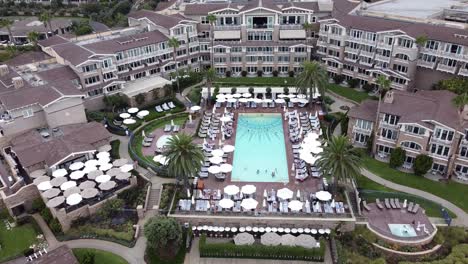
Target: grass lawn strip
x=100 y=256
x=16 y=240
x=348 y=93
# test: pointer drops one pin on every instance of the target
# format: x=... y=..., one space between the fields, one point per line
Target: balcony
x=347 y=72
x=351 y=50
x=291 y=26
x=445 y=54
x=426 y=64
x=384 y=124
x=363 y=131
x=321 y=43
x=398 y=86
x=227 y=27
x=381 y=45
x=382 y=58
x=350 y=59
x=463 y=72
x=446 y=68
x=367 y=54
x=440 y=141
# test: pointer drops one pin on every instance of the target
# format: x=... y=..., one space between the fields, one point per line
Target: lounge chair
x=159 y=109
x=379 y=204
x=148 y=139
x=203 y=174
x=165 y=107
x=117 y=123
x=397 y=203
x=167 y=128
x=171 y=105
x=220 y=176
x=290 y=104
x=410 y=207
x=146 y=144
x=176 y=128
x=387 y=203
x=392 y=203
x=415 y=209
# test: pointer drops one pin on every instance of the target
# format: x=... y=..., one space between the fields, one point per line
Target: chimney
x=4 y=70
x=388 y=99
x=17 y=82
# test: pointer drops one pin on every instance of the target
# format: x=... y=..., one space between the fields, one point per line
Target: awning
x=293 y=34
x=228 y=34
x=144 y=85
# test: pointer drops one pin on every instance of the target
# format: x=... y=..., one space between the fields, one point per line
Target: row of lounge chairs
x=168 y=128
x=393 y=203
x=148 y=140
x=210 y=125
x=165 y=107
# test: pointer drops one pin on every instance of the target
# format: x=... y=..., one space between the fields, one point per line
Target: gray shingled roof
x=54 y=40
x=73 y=53
x=158 y=19
x=367 y=110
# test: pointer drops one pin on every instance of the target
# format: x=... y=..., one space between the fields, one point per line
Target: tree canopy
x=162 y=231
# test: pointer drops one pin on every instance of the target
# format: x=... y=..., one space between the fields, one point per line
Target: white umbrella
x=37 y=173
x=306 y=241
x=123 y=176
x=227 y=96
x=113 y=172
x=59 y=173
x=103 y=178
x=216 y=160
x=285 y=194
x=313 y=231
x=295 y=205
x=282 y=95
x=323 y=195
x=267 y=100
x=104 y=148
x=294 y=100
x=77 y=175
x=143 y=113
x=119 y=162
x=91 y=163
x=74 y=199
x=55 y=202
x=58 y=181
x=89 y=193
x=257 y=100
x=301 y=96
x=217 y=152
x=105 y=167
x=95 y=173
x=126 y=168
x=67 y=185
x=231 y=190
x=225 y=119
x=220 y=96
x=226 y=168
x=249 y=204
x=195 y=108
x=132 y=110
x=246 y=95
x=44 y=186
x=76 y=166
x=270 y=239
x=303 y=101
x=226 y=203
x=237 y=95
x=248 y=189
x=228 y=148
x=244 y=100
x=214 y=169
x=105 y=186
x=288 y=240
x=40 y=179
x=103 y=161
x=291 y=95
x=129 y=121
x=51 y=193
x=244 y=239
x=71 y=191
x=124 y=115
x=280 y=101
x=221 y=100
x=87 y=184
x=102 y=155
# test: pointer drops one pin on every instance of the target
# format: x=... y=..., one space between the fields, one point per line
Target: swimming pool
x=260 y=149
x=402 y=230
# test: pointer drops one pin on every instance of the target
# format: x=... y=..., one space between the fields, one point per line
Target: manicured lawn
x=256 y=81
x=15 y=241
x=451 y=191
x=349 y=93
x=100 y=256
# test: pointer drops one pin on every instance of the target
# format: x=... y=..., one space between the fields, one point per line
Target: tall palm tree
x=211 y=19
x=46 y=19
x=313 y=76
x=184 y=157
x=33 y=37
x=307 y=27
x=7 y=23
x=175 y=44
x=384 y=85
x=340 y=159
x=210 y=75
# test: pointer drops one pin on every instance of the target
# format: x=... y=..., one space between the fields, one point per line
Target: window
x=438 y=167
x=360 y=138
x=356 y=33
x=415 y=130
x=390 y=119
x=405 y=43
x=363 y=124
x=453 y=48
x=89 y=68
x=389 y=134
x=464 y=152
x=313 y=19
x=283 y=58
x=440 y=150
x=27 y=113
x=432 y=45
x=443 y=134
x=402 y=56
x=411 y=145
x=204 y=20
x=461 y=169
x=220 y=59
x=283 y=49
x=409 y=160
x=106 y=63
x=260 y=35
x=384 y=149
x=300 y=49
x=95 y=92
x=91 y=80
x=252 y=69
x=449 y=62
x=428 y=58
x=108 y=75
x=400 y=68
x=236 y=59
x=236 y=49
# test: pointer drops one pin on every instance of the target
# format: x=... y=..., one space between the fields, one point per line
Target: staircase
x=153 y=200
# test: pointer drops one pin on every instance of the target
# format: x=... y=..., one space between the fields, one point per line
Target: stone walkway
x=462 y=216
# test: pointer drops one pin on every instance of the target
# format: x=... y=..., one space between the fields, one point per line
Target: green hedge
x=257 y=251
x=114 y=153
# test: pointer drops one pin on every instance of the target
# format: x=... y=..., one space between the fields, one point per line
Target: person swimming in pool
x=273 y=174
x=258 y=171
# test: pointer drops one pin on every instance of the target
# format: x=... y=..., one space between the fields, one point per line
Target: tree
x=140 y=99
x=184 y=157
x=46 y=19
x=114 y=101
x=111 y=208
x=340 y=159
x=12 y=51
x=307 y=27
x=313 y=78
x=460 y=100
x=233 y=90
x=175 y=44
x=422 y=164
x=211 y=20
x=338 y=79
x=88 y=257
x=397 y=157
x=455 y=85
x=353 y=83
x=210 y=75
x=384 y=86
x=33 y=37
x=251 y=90
x=163 y=234
x=421 y=41
x=81 y=27
x=7 y=23
x=286 y=90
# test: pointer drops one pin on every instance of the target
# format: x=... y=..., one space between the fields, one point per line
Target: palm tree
x=313 y=76
x=384 y=85
x=7 y=23
x=184 y=157
x=46 y=19
x=340 y=159
x=211 y=19
x=12 y=51
x=210 y=75
x=33 y=37
x=175 y=44
x=307 y=27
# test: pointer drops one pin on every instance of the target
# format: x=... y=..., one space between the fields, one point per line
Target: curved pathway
x=462 y=216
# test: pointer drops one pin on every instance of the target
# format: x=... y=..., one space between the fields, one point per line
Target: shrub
x=367 y=87
x=353 y=83
x=140 y=99
x=397 y=157
x=422 y=164
x=244 y=73
x=275 y=73
x=286 y=90
x=114 y=153
x=46 y=214
x=87 y=258
x=162 y=231
x=338 y=79
x=291 y=73
x=228 y=74
x=259 y=73
x=268 y=90
x=328 y=100
x=55 y=226
x=37 y=206
x=233 y=90
x=251 y=90
x=111 y=207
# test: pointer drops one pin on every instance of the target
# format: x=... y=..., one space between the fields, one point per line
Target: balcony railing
x=363 y=131
x=445 y=54
x=292 y=26
x=446 y=68
x=388 y=125
x=463 y=72
x=228 y=27
x=441 y=141
x=426 y=64
x=382 y=58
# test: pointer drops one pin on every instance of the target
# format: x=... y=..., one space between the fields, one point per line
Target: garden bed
x=100 y=256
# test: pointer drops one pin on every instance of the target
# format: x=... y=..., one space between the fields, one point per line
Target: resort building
x=413 y=49
x=425 y=122
x=21 y=28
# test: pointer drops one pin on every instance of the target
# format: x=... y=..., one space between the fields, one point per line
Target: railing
x=228 y=27
x=263 y=214
x=382 y=58
x=294 y=26
x=463 y=72
x=426 y=64
x=362 y=130
x=445 y=54
x=440 y=141
x=446 y=68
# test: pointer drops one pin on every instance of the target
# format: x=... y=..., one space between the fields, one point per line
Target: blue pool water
x=260 y=149
x=402 y=230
